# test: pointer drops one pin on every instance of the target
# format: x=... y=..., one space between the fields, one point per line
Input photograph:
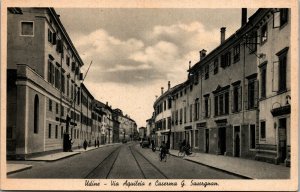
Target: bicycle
x=163 y=156
x=182 y=152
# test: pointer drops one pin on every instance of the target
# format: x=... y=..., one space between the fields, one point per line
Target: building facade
x=236 y=99
x=274 y=69
x=47 y=103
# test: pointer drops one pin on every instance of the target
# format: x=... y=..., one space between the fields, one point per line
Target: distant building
x=142 y=132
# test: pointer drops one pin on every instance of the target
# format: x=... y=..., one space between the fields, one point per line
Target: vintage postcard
x=149 y=95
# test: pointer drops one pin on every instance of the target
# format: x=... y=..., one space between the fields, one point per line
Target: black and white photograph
x=149 y=96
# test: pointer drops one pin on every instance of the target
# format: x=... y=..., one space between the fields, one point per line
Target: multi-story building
x=274 y=69
x=162 y=107
x=116 y=126
x=48 y=107
x=142 y=132
x=236 y=100
x=43 y=71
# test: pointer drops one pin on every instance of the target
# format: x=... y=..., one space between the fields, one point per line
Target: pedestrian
x=98 y=143
x=163 y=151
x=85 y=144
x=95 y=143
x=90 y=143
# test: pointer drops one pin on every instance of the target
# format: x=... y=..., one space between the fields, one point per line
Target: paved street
x=128 y=161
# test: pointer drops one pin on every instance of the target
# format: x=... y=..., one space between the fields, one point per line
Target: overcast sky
x=135 y=52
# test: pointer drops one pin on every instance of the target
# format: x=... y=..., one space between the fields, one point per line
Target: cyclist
x=163 y=151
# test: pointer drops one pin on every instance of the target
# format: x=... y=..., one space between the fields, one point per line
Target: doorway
x=237 y=141
x=206 y=140
x=282 y=140
x=222 y=140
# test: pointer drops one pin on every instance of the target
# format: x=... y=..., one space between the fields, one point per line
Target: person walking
x=85 y=144
x=163 y=151
x=98 y=143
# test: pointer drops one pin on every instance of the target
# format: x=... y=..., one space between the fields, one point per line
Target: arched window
x=36 y=114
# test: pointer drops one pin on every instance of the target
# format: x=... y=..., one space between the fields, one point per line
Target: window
x=57 y=78
x=216 y=66
x=169 y=103
x=180 y=121
x=78 y=96
x=63 y=83
x=206 y=71
x=50 y=105
x=191 y=112
x=206 y=106
x=236 y=98
x=165 y=105
x=236 y=53
x=282 y=55
x=50 y=72
x=226 y=59
x=263 y=130
x=252 y=42
x=27 y=28
x=252 y=94
x=62 y=110
x=252 y=137
x=36 y=114
x=196 y=109
x=169 y=122
x=264 y=34
x=51 y=37
x=263 y=74
x=56 y=131
x=283 y=16
x=222 y=103
x=184 y=114
x=68 y=61
x=49 y=131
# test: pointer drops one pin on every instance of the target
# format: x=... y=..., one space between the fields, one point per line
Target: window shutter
x=232 y=100
x=209 y=106
x=49 y=71
x=256 y=93
x=246 y=106
x=240 y=99
x=203 y=107
x=54 y=39
x=275 y=79
x=276 y=19
x=49 y=35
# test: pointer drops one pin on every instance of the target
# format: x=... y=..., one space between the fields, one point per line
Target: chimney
x=169 y=85
x=202 y=54
x=190 y=62
x=223 y=29
x=106 y=103
x=244 y=16
x=156 y=97
x=162 y=90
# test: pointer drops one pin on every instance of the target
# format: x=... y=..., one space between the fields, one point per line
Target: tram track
x=148 y=162
x=111 y=156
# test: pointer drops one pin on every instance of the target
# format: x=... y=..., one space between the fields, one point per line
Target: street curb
x=19 y=170
x=216 y=168
x=55 y=159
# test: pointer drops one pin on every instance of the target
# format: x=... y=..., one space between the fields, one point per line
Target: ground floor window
x=252 y=136
x=49 y=131
x=56 y=131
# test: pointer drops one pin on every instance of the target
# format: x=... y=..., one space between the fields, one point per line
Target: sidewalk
x=15 y=167
x=239 y=166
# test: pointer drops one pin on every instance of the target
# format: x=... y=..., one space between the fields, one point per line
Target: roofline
x=64 y=32
x=86 y=90
x=242 y=30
